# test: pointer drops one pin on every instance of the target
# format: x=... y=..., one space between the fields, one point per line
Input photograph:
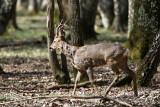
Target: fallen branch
x=20 y=91
x=68 y=86
x=70 y=97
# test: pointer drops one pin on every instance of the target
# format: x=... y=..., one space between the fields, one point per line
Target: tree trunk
x=106 y=10
x=146 y=24
x=75 y=29
x=150 y=63
x=148 y=67
x=88 y=15
x=32 y=6
x=43 y=5
x=130 y=16
x=120 y=15
x=6 y=13
x=55 y=66
x=14 y=15
x=144 y=27
x=63 y=57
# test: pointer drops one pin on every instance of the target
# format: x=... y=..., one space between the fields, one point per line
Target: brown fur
x=86 y=57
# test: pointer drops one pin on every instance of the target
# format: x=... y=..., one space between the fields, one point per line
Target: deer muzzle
x=50 y=48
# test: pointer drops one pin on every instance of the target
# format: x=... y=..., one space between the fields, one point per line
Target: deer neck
x=67 y=49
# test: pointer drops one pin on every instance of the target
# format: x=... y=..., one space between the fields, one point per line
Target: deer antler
x=60 y=29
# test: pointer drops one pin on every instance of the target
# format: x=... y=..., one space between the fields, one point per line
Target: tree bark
x=148 y=67
x=75 y=30
x=88 y=15
x=150 y=63
x=143 y=28
x=55 y=66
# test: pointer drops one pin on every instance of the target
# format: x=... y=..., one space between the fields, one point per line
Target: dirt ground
x=27 y=78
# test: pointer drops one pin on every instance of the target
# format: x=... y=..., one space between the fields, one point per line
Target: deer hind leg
x=76 y=81
x=124 y=67
x=90 y=75
x=116 y=71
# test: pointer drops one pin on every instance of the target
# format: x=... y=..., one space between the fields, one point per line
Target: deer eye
x=54 y=41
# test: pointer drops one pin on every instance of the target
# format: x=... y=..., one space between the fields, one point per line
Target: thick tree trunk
x=59 y=75
x=146 y=24
x=6 y=13
x=106 y=10
x=148 y=67
x=75 y=29
x=150 y=63
x=143 y=29
x=120 y=15
x=88 y=15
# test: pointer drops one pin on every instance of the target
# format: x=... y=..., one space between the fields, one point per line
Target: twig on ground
x=67 y=86
x=70 y=97
x=21 y=91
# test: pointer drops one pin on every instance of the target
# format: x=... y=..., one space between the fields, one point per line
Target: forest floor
x=28 y=73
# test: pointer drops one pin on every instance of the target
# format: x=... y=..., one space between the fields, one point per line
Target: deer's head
x=58 y=37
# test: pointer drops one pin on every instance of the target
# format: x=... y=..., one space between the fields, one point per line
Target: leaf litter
x=27 y=78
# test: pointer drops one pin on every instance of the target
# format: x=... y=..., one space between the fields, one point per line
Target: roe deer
x=86 y=57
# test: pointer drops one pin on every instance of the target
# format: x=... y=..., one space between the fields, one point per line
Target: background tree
x=60 y=75
x=145 y=25
x=88 y=10
x=6 y=13
x=33 y=6
x=75 y=29
x=14 y=15
x=106 y=10
x=120 y=20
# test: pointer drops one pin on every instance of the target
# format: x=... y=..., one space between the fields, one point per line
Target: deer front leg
x=90 y=75
x=76 y=81
x=116 y=71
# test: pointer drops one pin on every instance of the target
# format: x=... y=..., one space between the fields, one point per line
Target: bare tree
x=75 y=29
x=60 y=75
